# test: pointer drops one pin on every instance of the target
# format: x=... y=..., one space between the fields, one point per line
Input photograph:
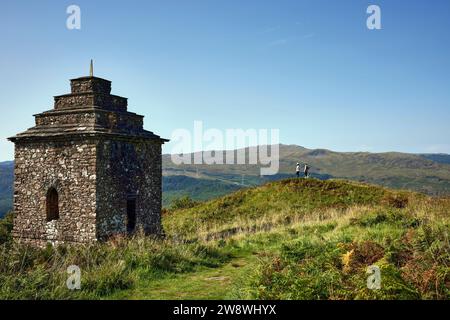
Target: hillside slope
x=291 y=239
x=274 y=204
x=437 y=157
x=427 y=173
x=315 y=239
x=424 y=173
x=6 y=186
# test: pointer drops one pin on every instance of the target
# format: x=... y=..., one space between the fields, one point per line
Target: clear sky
x=309 y=68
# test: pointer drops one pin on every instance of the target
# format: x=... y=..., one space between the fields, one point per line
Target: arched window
x=52 y=205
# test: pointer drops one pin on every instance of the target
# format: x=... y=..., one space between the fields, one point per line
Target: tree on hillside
x=6 y=225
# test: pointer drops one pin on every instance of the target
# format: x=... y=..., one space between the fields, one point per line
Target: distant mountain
x=437 y=157
x=6 y=186
x=427 y=173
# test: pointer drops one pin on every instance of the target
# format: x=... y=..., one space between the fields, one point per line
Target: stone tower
x=87 y=170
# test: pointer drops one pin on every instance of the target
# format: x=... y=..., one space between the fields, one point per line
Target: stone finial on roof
x=91 y=69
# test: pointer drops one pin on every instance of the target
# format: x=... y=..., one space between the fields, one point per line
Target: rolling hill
x=6 y=186
x=426 y=173
x=437 y=157
x=429 y=173
x=289 y=239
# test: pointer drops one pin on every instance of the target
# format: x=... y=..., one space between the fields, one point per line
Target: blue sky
x=309 y=68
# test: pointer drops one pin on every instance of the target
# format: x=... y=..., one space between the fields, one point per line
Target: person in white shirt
x=306 y=171
x=297 y=170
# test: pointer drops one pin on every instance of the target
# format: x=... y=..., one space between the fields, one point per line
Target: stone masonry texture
x=105 y=168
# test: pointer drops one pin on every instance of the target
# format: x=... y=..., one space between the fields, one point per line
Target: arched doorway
x=52 y=204
x=131 y=215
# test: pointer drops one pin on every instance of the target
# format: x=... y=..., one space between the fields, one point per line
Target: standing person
x=297 y=170
x=306 y=171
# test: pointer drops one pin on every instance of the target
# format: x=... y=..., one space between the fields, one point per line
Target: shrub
x=361 y=255
x=6 y=225
x=396 y=200
x=308 y=278
x=386 y=215
x=184 y=202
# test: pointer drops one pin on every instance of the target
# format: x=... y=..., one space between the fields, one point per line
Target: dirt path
x=208 y=283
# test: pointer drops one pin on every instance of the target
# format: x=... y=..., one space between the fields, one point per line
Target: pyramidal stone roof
x=89 y=110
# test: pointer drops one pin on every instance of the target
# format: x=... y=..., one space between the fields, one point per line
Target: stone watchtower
x=87 y=170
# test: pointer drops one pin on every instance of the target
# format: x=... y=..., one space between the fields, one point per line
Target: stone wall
x=70 y=168
x=97 y=156
x=128 y=169
x=94 y=179
x=65 y=118
x=90 y=84
x=121 y=121
x=110 y=102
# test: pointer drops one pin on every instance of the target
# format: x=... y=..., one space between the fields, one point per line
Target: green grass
x=27 y=273
x=293 y=239
x=204 y=283
x=273 y=204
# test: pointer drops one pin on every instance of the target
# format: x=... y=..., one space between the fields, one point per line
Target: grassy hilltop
x=426 y=173
x=291 y=239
